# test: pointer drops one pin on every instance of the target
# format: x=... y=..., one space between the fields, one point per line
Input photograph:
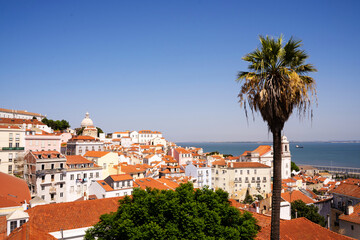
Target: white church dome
x=86 y=122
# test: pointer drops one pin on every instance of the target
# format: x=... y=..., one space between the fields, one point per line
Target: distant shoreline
x=350 y=141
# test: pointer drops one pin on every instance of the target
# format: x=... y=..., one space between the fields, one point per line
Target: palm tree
x=276 y=84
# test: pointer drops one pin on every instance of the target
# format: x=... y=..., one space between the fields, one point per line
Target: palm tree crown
x=277 y=81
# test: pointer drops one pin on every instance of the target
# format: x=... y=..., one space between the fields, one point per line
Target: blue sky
x=171 y=65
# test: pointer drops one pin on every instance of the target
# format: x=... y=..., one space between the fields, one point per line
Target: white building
x=264 y=155
x=80 y=172
x=21 y=114
x=201 y=173
x=79 y=145
x=11 y=149
x=45 y=173
x=112 y=186
x=238 y=177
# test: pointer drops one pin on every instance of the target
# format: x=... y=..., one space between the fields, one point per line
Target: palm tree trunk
x=276 y=194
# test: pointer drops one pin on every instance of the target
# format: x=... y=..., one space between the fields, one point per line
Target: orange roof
x=82 y=138
x=182 y=150
x=29 y=232
x=97 y=154
x=104 y=185
x=301 y=229
x=169 y=182
x=71 y=215
x=138 y=168
x=354 y=217
x=121 y=177
x=247 y=165
x=10 y=126
x=24 y=112
x=262 y=149
x=348 y=189
x=13 y=189
x=296 y=195
x=18 y=121
x=143 y=183
x=219 y=163
x=76 y=159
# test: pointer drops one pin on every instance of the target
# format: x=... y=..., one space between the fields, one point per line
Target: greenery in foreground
x=294 y=167
x=185 y=213
x=308 y=211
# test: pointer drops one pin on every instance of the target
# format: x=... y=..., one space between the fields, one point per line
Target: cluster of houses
x=62 y=170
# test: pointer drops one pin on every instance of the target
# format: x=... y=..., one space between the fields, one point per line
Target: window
x=78 y=176
x=352 y=227
x=61 y=177
x=22 y=221
x=52 y=166
x=10 y=145
x=52 y=196
x=91 y=175
x=72 y=177
x=17 y=144
x=61 y=165
x=61 y=185
x=13 y=225
x=241 y=172
x=52 y=177
x=10 y=136
x=97 y=175
x=248 y=172
x=43 y=178
x=43 y=197
x=42 y=166
x=10 y=157
x=43 y=188
x=235 y=170
x=17 y=137
x=10 y=169
x=104 y=166
x=61 y=194
x=72 y=189
x=255 y=171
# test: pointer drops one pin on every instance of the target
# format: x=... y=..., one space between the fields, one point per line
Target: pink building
x=42 y=142
x=182 y=155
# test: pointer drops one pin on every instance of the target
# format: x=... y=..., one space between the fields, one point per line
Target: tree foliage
x=57 y=124
x=99 y=130
x=181 y=214
x=294 y=167
x=308 y=211
x=248 y=198
x=213 y=153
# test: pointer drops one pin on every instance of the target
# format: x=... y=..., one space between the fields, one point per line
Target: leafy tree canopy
x=213 y=153
x=57 y=124
x=181 y=214
x=99 y=131
x=294 y=167
x=248 y=198
x=308 y=211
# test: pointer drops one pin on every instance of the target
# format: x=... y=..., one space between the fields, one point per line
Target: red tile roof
x=20 y=112
x=296 y=195
x=301 y=229
x=121 y=177
x=14 y=189
x=262 y=149
x=104 y=185
x=17 y=121
x=354 y=217
x=97 y=154
x=71 y=215
x=247 y=165
x=219 y=163
x=143 y=183
x=76 y=159
x=182 y=151
x=29 y=232
x=349 y=189
x=82 y=138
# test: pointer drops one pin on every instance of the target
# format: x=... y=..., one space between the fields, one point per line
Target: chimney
x=328 y=222
x=349 y=210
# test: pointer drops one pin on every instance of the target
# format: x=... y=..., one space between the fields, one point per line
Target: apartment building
x=79 y=145
x=11 y=149
x=237 y=177
x=45 y=174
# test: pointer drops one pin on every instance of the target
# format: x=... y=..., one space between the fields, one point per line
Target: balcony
x=52 y=190
x=258 y=181
x=12 y=148
x=264 y=181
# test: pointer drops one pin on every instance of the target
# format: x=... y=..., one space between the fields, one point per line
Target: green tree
x=181 y=214
x=275 y=85
x=294 y=167
x=99 y=131
x=56 y=125
x=248 y=198
x=308 y=211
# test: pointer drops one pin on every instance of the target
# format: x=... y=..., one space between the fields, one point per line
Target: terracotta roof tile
x=247 y=165
x=105 y=186
x=354 y=217
x=296 y=195
x=14 y=189
x=301 y=229
x=29 y=231
x=121 y=177
x=97 y=154
x=71 y=215
x=349 y=189
x=143 y=183
x=76 y=159
x=262 y=149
